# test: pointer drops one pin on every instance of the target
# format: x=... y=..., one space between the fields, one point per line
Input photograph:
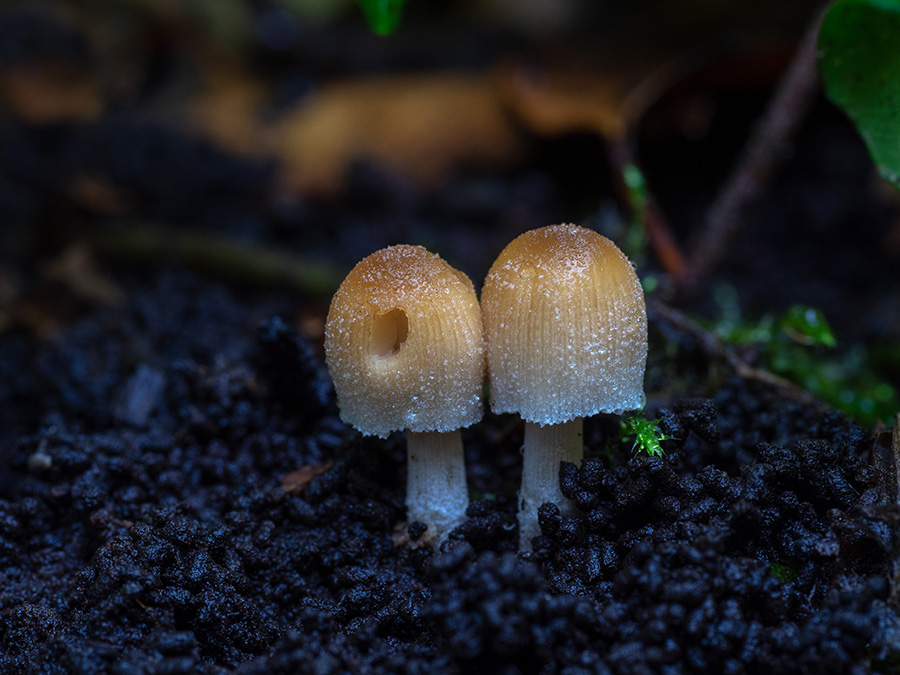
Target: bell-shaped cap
x=404 y=344
x=566 y=327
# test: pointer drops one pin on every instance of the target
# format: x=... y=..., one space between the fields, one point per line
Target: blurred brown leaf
x=227 y=107
x=421 y=126
x=96 y=195
x=556 y=100
x=49 y=93
x=297 y=480
x=425 y=125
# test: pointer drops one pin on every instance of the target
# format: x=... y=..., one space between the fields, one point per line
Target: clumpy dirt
x=145 y=528
x=178 y=494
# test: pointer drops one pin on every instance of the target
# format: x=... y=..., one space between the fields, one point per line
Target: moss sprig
x=648 y=437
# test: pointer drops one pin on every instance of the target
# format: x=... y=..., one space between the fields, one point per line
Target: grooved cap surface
x=566 y=327
x=404 y=344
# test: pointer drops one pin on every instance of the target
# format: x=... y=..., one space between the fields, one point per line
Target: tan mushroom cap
x=404 y=344
x=566 y=327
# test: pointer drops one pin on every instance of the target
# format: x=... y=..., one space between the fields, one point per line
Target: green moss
x=647 y=435
x=784 y=572
x=801 y=347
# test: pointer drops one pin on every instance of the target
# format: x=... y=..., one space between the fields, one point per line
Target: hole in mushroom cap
x=389 y=333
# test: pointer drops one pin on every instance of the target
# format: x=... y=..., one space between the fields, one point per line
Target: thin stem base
x=436 y=492
x=545 y=447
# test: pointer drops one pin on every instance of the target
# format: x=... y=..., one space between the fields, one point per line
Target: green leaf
x=808 y=326
x=859 y=45
x=383 y=15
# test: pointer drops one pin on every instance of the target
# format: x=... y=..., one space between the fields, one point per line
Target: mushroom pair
x=565 y=329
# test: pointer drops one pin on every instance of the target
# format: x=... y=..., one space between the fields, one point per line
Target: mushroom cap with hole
x=404 y=344
x=566 y=327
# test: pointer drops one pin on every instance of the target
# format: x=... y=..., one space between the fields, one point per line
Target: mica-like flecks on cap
x=404 y=344
x=566 y=327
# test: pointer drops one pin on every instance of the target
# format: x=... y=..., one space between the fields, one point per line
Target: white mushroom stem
x=545 y=447
x=436 y=492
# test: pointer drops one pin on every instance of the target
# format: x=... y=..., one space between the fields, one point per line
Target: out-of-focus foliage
x=798 y=347
x=383 y=15
x=803 y=325
x=635 y=243
x=860 y=65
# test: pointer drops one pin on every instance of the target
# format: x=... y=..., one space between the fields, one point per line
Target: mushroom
x=566 y=330
x=404 y=346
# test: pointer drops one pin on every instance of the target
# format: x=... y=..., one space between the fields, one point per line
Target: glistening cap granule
x=566 y=327
x=404 y=344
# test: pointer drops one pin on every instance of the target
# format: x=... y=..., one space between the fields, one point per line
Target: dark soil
x=152 y=519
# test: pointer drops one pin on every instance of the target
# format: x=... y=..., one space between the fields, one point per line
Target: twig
x=623 y=156
x=251 y=263
x=713 y=346
x=762 y=154
x=659 y=234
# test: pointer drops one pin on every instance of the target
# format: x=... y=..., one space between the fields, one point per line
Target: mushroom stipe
x=405 y=348
x=566 y=331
